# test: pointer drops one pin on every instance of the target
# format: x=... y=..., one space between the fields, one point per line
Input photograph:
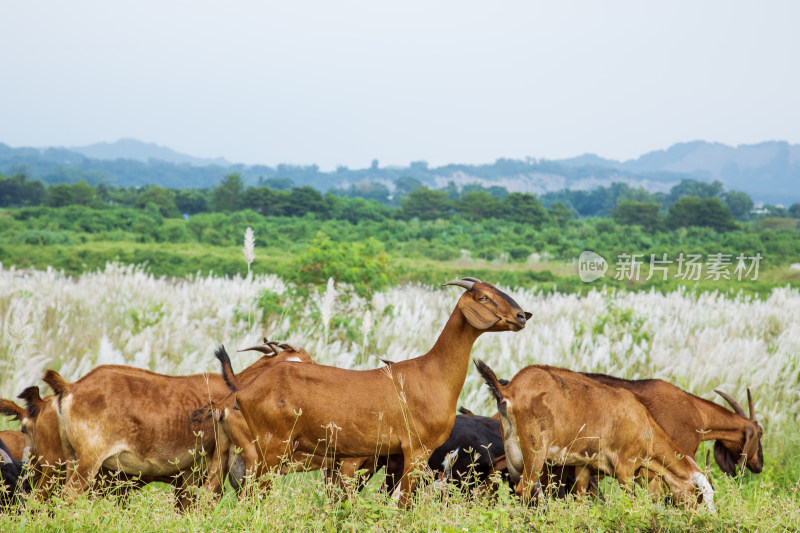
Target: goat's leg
x=80 y=475
x=48 y=478
x=270 y=462
x=414 y=460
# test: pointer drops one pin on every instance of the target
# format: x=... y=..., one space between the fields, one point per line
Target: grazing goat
x=554 y=414
x=137 y=422
x=689 y=420
x=408 y=407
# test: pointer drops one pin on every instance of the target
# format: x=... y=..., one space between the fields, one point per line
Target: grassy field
x=699 y=340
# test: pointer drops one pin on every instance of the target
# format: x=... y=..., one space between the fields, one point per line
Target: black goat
x=468 y=455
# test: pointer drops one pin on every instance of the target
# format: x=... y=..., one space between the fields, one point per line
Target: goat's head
x=746 y=450
x=38 y=421
x=26 y=417
x=488 y=308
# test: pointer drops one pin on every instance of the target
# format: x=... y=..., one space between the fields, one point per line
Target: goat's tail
x=490 y=378
x=227 y=370
x=59 y=385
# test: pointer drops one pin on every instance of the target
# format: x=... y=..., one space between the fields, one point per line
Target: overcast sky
x=342 y=83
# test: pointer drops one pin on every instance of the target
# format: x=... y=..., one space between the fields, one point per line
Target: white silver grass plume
x=249 y=247
x=366 y=325
x=326 y=310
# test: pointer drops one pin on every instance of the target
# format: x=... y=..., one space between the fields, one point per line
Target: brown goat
x=689 y=420
x=138 y=422
x=556 y=415
x=408 y=407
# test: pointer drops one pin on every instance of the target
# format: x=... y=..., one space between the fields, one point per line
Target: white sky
x=344 y=82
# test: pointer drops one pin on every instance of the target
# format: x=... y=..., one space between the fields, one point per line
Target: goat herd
x=556 y=430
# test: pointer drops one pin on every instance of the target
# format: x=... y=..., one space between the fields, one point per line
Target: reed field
x=700 y=341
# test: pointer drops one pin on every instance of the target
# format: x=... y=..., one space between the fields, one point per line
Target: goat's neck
x=718 y=422
x=448 y=361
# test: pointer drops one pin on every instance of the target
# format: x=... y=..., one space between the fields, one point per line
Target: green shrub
x=364 y=264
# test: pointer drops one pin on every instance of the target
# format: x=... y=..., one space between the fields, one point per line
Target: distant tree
x=16 y=191
x=498 y=192
x=644 y=214
x=162 y=198
x=355 y=210
x=524 y=208
x=405 y=185
x=306 y=199
x=426 y=204
x=229 y=194
x=702 y=212
x=739 y=203
x=191 y=201
x=478 y=205
x=695 y=188
x=267 y=201
x=452 y=190
x=794 y=210
x=369 y=190
x=60 y=195
x=279 y=184
x=560 y=213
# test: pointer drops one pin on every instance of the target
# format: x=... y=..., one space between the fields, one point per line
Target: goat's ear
x=725 y=459
x=9 y=408
x=477 y=315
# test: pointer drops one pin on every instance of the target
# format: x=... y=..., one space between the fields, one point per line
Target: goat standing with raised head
x=408 y=407
x=556 y=415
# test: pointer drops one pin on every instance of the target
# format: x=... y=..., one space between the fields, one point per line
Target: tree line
x=689 y=203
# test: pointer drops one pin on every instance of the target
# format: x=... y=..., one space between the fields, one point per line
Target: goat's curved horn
x=461 y=283
x=752 y=407
x=476 y=280
x=287 y=346
x=266 y=349
x=5 y=458
x=736 y=407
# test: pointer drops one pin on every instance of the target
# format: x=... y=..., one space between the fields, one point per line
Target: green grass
x=300 y=502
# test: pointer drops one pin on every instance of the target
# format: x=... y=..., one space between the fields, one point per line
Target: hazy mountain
x=141 y=151
x=769 y=172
